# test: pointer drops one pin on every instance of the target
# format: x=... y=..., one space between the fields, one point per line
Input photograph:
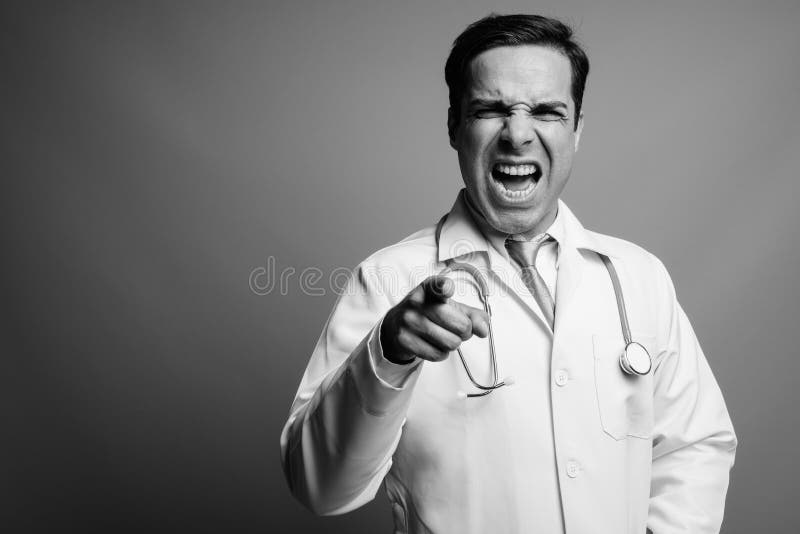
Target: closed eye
x=550 y=111
x=548 y=114
x=489 y=113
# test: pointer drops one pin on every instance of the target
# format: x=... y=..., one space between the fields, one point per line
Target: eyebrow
x=553 y=104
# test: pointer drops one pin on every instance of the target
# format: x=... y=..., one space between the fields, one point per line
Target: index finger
x=438 y=288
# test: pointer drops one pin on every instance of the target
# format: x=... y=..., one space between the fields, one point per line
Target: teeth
x=516 y=170
x=511 y=195
x=521 y=193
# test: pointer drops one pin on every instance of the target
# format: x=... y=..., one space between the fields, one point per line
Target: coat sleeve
x=346 y=419
x=694 y=443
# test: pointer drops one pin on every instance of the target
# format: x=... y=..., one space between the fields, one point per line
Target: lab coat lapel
x=570 y=273
x=461 y=240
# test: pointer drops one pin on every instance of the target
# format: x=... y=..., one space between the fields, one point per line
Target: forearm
x=689 y=486
x=694 y=441
x=337 y=447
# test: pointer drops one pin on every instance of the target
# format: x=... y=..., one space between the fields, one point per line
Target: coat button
x=573 y=469
x=562 y=377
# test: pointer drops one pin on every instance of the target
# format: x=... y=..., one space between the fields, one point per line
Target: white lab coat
x=573 y=446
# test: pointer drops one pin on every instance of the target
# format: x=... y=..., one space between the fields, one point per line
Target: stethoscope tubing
x=630 y=367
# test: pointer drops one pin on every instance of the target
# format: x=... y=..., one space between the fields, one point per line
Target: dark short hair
x=513 y=30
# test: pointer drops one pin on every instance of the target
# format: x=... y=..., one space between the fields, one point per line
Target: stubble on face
x=515 y=136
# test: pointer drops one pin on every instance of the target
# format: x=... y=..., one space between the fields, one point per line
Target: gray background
x=153 y=155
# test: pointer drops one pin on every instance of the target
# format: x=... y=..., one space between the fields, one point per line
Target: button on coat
x=638 y=452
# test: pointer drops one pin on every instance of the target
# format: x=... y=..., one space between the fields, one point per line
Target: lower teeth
x=518 y=192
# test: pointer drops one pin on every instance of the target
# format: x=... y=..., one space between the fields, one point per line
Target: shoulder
x=624 y=254
x=396 y=269
x=417 y=248
x=649 y=293
x=641 y=272
x=630 y=255
x=638 y=268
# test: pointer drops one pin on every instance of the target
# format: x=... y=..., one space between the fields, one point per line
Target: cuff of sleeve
x=377 y=396
x=390 y=374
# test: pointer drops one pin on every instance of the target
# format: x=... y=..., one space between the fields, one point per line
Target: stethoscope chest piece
x=635 y=360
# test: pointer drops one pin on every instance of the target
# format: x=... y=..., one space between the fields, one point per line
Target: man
x=577 y=444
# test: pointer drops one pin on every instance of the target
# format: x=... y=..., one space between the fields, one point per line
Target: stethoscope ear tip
x=509 y=381
x=461 y=395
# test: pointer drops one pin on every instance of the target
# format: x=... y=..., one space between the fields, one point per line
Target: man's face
x=516 y=135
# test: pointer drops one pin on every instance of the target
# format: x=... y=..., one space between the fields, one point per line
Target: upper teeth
x=516 y=170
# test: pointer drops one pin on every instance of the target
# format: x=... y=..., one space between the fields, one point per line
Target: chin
x=511 y=224
x=517 y=223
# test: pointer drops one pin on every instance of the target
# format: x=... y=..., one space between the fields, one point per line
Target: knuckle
x=465 y=331
x=408 y=317
x=428 y=330
x=404 y=339
x=434 y=311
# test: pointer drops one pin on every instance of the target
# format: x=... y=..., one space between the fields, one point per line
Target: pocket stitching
x=605 y=422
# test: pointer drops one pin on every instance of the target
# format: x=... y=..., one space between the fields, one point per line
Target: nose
x=517 y=131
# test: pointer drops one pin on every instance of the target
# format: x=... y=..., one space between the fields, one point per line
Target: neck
x=540 y=228
x=483 y=225
x=488 y=230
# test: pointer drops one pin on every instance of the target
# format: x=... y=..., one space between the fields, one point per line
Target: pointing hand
x=428 y=325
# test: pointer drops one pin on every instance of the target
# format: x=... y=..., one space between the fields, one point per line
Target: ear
x=452 y=126
x=578 y=131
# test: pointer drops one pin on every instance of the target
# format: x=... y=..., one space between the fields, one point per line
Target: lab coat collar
x=460 y=235
x=578 y=237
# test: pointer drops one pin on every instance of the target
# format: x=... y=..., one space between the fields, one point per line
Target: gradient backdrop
x=155 y=154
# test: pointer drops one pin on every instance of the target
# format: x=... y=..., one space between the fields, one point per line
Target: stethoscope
x=634 y=360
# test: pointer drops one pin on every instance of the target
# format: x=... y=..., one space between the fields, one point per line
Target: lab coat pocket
x=625 y=401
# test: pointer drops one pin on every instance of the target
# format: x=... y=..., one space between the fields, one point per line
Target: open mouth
x=515 y=182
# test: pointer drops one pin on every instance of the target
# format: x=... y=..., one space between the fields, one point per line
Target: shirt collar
x=461 y=235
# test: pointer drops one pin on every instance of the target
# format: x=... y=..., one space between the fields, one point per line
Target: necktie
x=524 y=253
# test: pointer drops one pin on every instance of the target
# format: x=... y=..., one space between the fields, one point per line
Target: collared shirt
x=575 y=445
